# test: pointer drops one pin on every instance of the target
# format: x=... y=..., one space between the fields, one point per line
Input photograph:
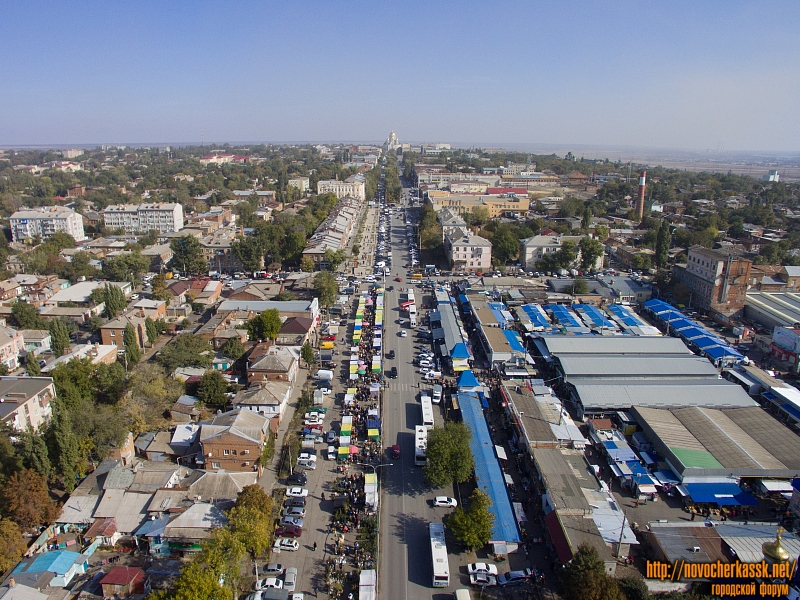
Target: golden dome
x=774 y=550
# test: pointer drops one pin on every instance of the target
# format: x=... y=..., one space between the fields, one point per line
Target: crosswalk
x=402 y=387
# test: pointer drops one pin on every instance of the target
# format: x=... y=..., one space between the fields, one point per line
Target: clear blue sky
x=704 y=75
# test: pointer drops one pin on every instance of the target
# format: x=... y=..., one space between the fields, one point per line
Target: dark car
x=289 y=531
x=393 y=373
x=301 y=502
x=391 y=354
x=297 y=478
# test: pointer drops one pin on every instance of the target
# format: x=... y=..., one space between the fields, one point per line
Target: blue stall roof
x=536 y=314
x=514 y=340
x=463 y=299
x=597 y=317
x=467 y=379
x=460 y=351
x=487 y=469
x=659 y=306
x=723 y=494
x=717 y=352
x=626 y=316
x=693 y=332
x=706 y=342
x=676 y=323
x=562 y=315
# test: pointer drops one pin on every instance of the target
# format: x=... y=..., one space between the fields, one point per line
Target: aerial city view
x=399 y=301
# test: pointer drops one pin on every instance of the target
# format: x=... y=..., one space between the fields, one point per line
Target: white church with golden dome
x=392 y=143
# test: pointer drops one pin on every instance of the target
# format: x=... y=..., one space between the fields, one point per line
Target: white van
x=437 y=394
x=433 y=375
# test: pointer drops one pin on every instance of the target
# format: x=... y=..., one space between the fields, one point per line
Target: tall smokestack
x=640 y=196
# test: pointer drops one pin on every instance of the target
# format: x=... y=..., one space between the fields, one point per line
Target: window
x=215 y=465
x=113 y=333
x=226 y=452
x=233 y=452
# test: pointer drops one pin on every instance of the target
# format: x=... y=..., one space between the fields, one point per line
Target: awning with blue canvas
x=514 y=340
x=693 y=332
x=706 y=342
x=665 y=477
x=459 y=351
x=467 y=380
x=717 y=352
x=722 y=494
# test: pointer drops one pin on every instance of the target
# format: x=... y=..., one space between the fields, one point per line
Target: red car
x=289 y=531
x=329 y=338
x=400 y=279
x=396 y=451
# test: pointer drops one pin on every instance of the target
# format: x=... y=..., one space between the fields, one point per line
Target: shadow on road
x=412 y=531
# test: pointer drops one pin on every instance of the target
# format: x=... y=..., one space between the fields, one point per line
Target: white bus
x=421 y=446
x=427 y=411
x=441 y=566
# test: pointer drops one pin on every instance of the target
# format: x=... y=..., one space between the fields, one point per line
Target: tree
x=250 y=252
x=586 y=220
x=473 y=527
x=355 y=250
x=112 y=297
x=480 y=215
x=152 y=332
x=131 y=342
x=566 y=255
x=252 y=527
x=265 y=326
x=233 y=349
x=634 y=588
x=126 y=267
x=306 y=264
x=284 y=296
x=601 y=233
x=326 y=288
x=26 y=500
x=160 y=291
x=186 y=350
x=33 y=451
x=254 y=496
x=307 y=353
x=591 y=250
x=578 y=287
x=59 y=337
x=63 y=444
x=187 y=254
x=212 y=388
x=27 y=316
x=449 y=454
x=662 y=245
x=334 y=259
x=585 y=578
x=12 y=544
x=32 y=366
x=505 y=245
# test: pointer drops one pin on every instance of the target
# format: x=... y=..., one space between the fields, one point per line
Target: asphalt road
x=405 y=559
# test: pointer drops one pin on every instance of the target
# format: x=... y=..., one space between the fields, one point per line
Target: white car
x=482 y=568
x=297 y=492
x=425 y=370
x=134 y=296
x=269 y=582
x=404 y=333
x=286 y=544
x=444 y=502
x=290 y=580
x=482 y=580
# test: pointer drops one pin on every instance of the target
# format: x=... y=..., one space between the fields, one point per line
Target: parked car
x=290 y=579
x=482 y=580
x=514 y=577
x=269 y=582
x=289 y=531
x=393 y=373
x=286 y=544
x=292 y=521
x=390 y=355
x=294 y=502
x=329 y=338
x=294 y=511
x=403 y=333
x=331 y=437
x=482 y=568
x=444 y=502
x=297 y=492
x=298 y=478
x=273 y=569
x=396 y=451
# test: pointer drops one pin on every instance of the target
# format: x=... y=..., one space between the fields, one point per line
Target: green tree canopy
x=152 y=331
x=449 y=454
x=265 y=326
x=212 y=388
x=12 y=544
x=307 y=354
x=186 y=350
x=187 y=255
x=585 y=578
x=26 y=500
x=326 y=288
x=473 y=526
x=662 y=245
x=59 y=337
x=131 y=341
x=591 y=250
x=307 y=265
x=233 y=349
x=26 y=316
x=126 y=267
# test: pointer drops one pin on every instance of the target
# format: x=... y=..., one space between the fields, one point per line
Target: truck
x=412 y=319
x=324 y=375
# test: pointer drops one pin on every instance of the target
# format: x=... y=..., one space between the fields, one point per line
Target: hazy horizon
x=681 y=76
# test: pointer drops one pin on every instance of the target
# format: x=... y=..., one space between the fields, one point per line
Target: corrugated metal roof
x=636 y=366
x=659 y=393
x=562 y=345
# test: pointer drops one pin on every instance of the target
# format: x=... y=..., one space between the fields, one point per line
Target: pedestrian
x=315 y=592
x=323 y=496
x=315 y=546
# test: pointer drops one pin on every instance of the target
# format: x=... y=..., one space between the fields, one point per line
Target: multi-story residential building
x=11 y=345
x=44 y=221
x=218 y=251
x=96 y=352
x=36 y=341
x=497 y=206
x=135 y=218
x=467 y=252
x=113 y=332
x=25 y=401
x=333 y=233
x=450 y=222
x=717 y=280
x=536 y=248
x=300 y=183
x=233 y=440
x=352 y=186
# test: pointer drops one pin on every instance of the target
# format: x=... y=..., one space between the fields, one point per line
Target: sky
x=681 y=75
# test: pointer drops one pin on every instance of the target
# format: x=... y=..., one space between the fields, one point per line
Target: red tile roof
x=122 y=576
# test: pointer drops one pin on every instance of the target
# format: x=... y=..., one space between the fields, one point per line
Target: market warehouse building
x=717 y=447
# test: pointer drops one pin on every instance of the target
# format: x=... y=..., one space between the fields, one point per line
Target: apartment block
x=45 y=221
x=134 y=218
x=352 y=186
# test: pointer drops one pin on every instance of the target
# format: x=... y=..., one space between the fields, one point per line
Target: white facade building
x=135 y=218
x=44 y=221
x=351 y=187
